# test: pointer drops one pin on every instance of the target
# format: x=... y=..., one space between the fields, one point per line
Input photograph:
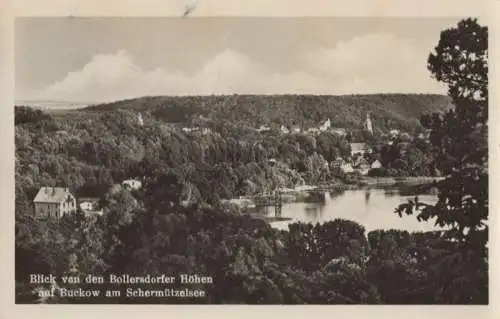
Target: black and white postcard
x=204 y=159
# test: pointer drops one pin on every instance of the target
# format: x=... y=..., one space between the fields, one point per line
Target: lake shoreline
x=302 y=196
x=399 y=181
x=299 y=195
x=336 y=188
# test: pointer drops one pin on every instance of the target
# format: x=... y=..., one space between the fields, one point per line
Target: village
x=55 y=202
x=355 y=163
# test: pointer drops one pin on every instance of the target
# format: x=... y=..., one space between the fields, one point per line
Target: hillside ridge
x=387 y=111
x=401 y=111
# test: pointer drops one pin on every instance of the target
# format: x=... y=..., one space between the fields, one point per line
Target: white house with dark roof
x=54 y=202
x=90 y=205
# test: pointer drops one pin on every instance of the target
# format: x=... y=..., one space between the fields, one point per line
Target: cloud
x=370 y=64
x=374 y=63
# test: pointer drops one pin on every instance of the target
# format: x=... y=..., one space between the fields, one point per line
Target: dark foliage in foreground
x=459 y=139
x=250 y=262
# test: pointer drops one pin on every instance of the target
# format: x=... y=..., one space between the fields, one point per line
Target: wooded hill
x=105 y=144
x=400 y=111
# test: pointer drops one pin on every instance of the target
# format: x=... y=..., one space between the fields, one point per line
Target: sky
x=106 y=59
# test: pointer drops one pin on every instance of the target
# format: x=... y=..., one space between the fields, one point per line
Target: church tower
x=368 y=123
x=139 y=120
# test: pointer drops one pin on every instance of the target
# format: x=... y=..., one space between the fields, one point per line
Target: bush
x=378 y=172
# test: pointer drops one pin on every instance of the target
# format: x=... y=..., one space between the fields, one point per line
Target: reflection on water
x=371 y=207
x=367 y=196
x=391 y=192
x=314 y=211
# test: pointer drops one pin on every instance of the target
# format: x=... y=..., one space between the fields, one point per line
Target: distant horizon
x=89 y=103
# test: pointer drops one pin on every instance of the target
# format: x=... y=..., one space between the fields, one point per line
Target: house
x=346 y=167
x=337 y=163
x=190 y=129
x=206 y=131
x=131 y=184
x=425 y=135
x=339 y=131
x=394 y=133
x=263 y=128
x=325 y=126
x=360 y=161
x=313 y=130
x=296 y=129
x=90 y=205
x=376 y=164
x=362 y=166
x=359 y=148
x=54 y=202
x=284 y=129
x=343 y=165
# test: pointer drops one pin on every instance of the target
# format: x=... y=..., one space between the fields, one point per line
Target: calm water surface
x=371 y=207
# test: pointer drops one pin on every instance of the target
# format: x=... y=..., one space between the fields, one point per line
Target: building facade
x=341 y=164
x=54 y=202
x=90 y=206
x=131 y=184
x=359 y=149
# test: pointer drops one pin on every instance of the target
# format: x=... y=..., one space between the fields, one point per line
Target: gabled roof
x=51 y=195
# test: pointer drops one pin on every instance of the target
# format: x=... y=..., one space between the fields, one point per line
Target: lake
x=371 y=207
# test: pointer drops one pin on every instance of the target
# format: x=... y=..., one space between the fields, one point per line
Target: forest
x=388 y=111
x=152 y=230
